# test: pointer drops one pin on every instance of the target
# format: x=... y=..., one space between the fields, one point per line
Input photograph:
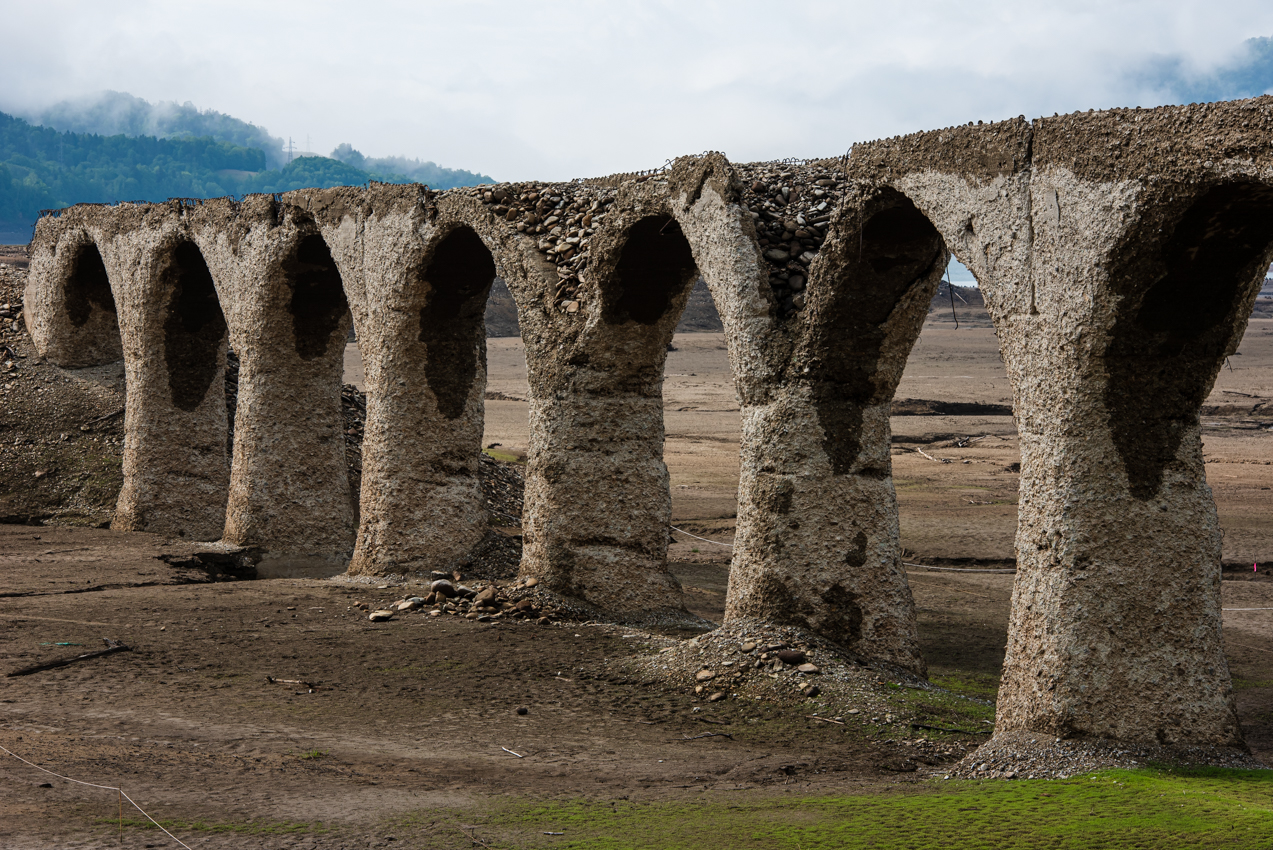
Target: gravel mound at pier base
x=1031 y=755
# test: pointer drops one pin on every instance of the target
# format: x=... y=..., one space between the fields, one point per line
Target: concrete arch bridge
x=1084 y=231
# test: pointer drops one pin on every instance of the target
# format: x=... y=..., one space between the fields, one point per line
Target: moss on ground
x=1148 y=809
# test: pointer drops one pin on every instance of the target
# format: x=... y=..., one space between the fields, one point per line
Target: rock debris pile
x=484 y=602
x=765 y=661
x=563 y=216
x=1029 y=755
x=791 y=205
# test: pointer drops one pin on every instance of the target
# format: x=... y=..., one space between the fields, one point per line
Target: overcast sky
x=554 y=90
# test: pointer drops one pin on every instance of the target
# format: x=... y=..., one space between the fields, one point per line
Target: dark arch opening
x=655 y=265
x=194 y=328
x=897 y=249
x=318 y=302
x=88 y=286
x=457 y=279
x=1175 y=321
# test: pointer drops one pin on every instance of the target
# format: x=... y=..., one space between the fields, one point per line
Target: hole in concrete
x=655 y=265
x=458 y=277
x=87 y=287
x=318 y=297
x=1176 y=318
x=194 y=329
x=898 y=250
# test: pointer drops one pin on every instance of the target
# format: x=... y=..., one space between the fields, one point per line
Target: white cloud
x=558 y=89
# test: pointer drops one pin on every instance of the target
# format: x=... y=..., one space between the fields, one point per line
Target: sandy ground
x=399 y=734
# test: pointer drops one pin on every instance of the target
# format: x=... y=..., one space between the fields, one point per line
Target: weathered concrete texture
x=1084 y=232
x=289 y=494
x=817 y=542
x=417 y=288
x=160 y=310
x=1115 y=628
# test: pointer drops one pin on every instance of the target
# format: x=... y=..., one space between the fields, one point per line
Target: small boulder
x=704 y=676
x=716 y=697
x=380 y=616
x=791 y=656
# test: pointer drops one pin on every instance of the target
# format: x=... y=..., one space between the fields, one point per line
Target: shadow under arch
x=655 y=266
x=458 y=277
x=1185 y=300
x=866 y=321
x=317 y=303
x=89 y=303
x=194 y=326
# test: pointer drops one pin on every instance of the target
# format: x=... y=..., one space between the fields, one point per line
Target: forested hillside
x=44 y=168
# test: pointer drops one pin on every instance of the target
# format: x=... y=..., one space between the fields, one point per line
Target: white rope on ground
x=704 y=539
x=954 y=569
x=119 y=791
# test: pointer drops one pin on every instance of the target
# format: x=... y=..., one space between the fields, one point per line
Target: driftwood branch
x=112 y=646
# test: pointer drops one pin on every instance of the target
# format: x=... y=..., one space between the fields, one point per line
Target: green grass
x=1145 y=809
x=977 y=685
x=503 y=457
x=314 y=754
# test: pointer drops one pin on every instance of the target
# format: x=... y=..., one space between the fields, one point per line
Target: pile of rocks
x=563 y=215
x=1030 y=755
x=759 y=660
x=791 y=205
x=485 y=603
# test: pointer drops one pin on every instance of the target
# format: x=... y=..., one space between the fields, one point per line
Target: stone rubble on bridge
x=1082 y=230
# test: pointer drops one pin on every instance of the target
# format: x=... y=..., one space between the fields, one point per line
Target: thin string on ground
x=954 y=569
x=117 y=790
x=704 y=539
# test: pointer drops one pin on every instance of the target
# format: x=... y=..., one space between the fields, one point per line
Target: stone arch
x=821 y=548
x=654 y=266
x=422 y=506
x=80 y=326
x=1183 y=302
x=194 y=326
x=317 y=302
x=603 y=431
x=865 y=320
x=290 y=494
x=176 y=474
x=452 y=319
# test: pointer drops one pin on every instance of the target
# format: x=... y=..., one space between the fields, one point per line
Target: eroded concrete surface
x=1084 y=231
